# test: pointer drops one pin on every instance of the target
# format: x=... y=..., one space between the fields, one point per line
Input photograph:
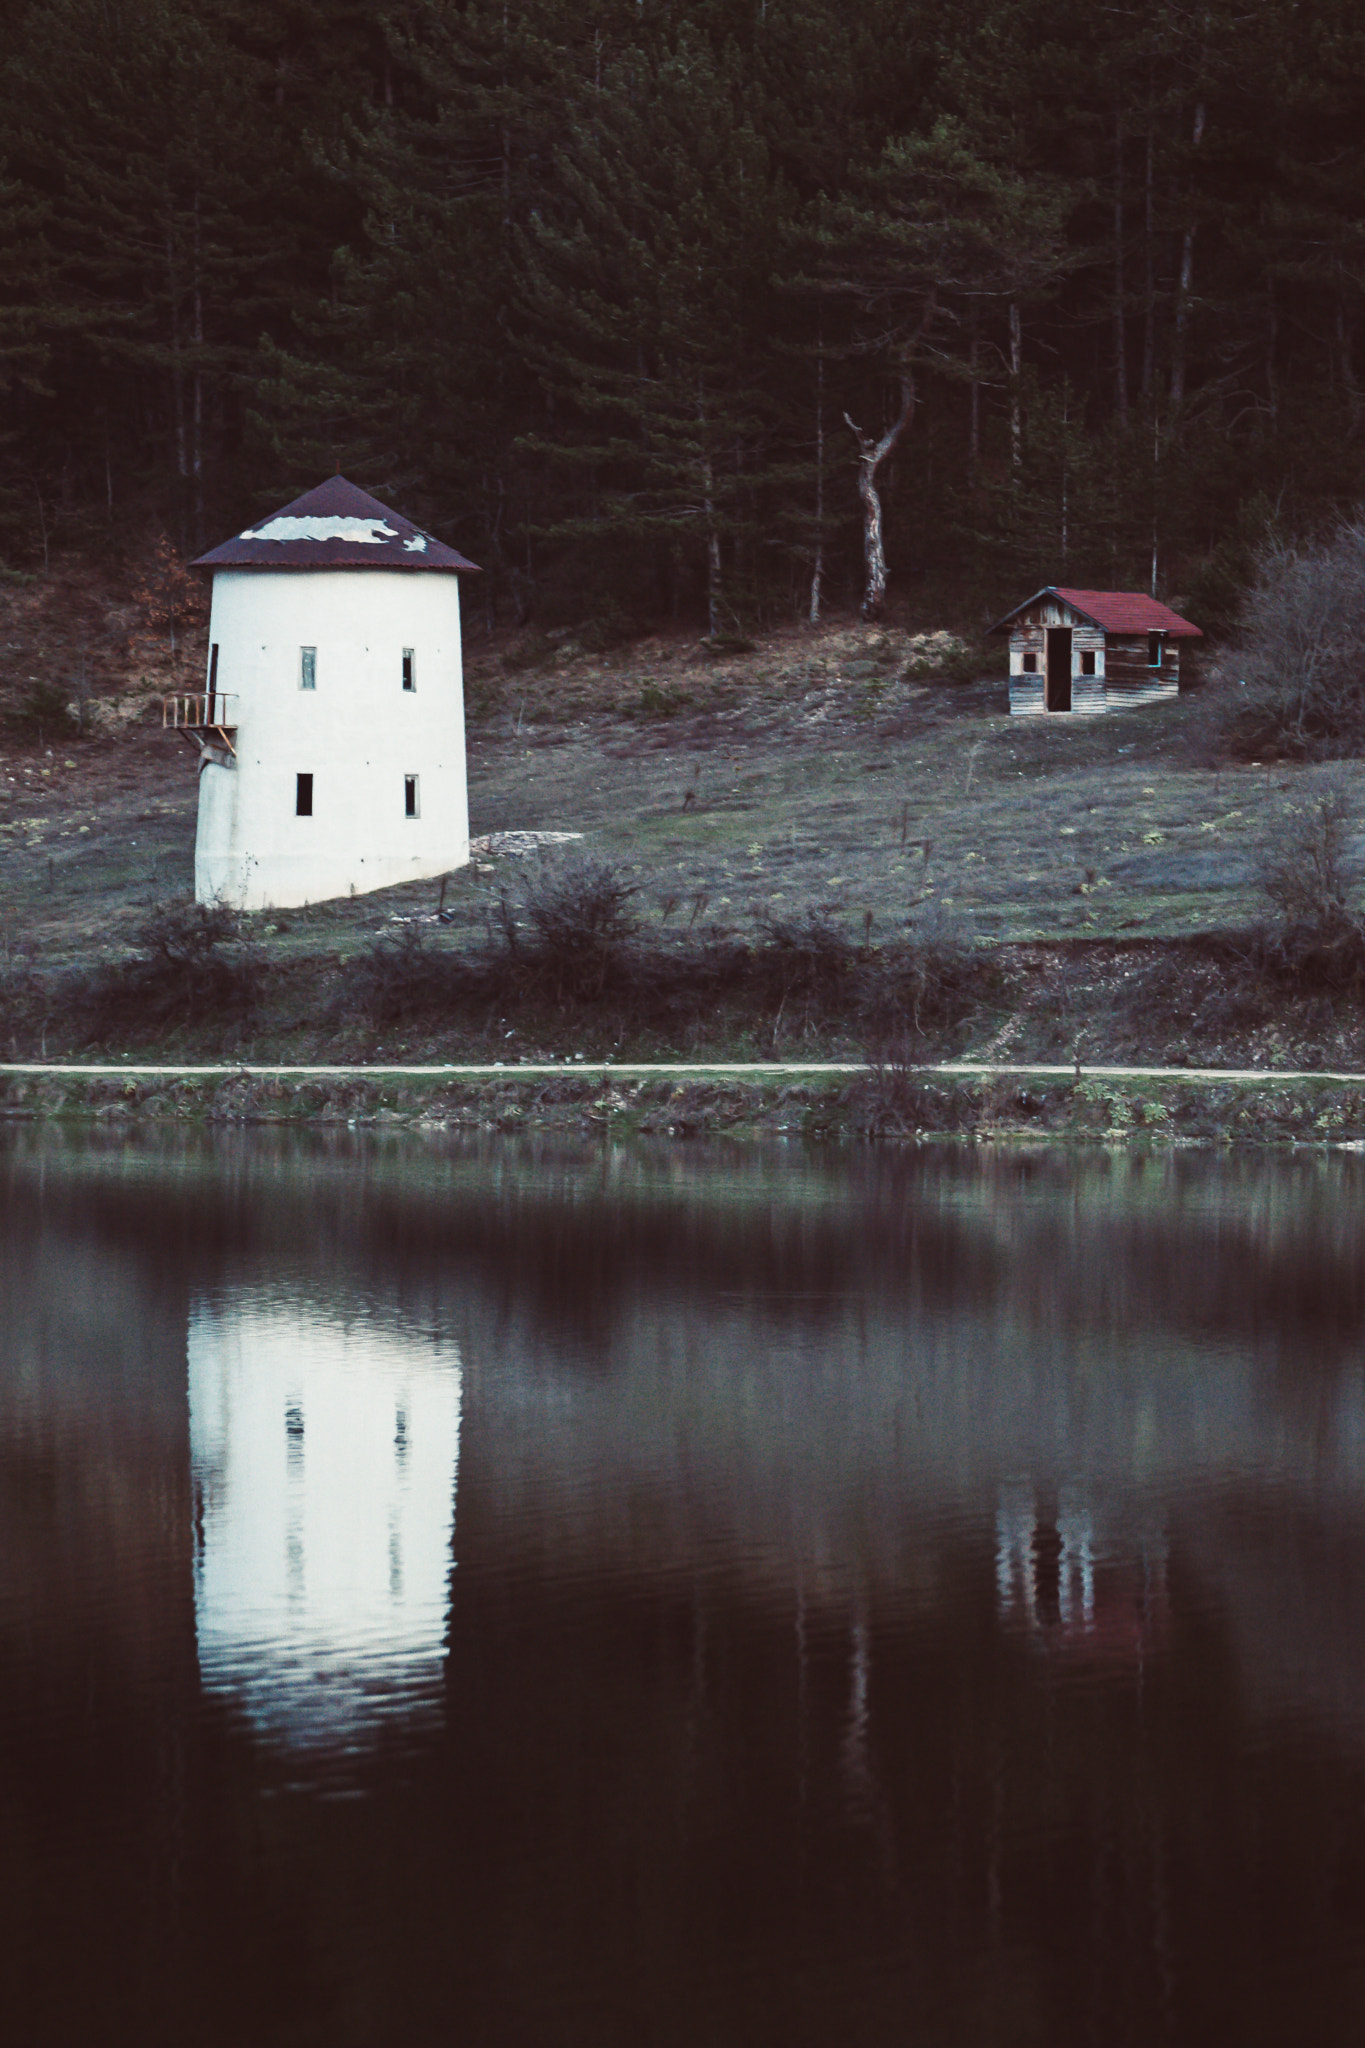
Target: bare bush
x=899 y=1099
x=1303 y=867
x=930 y=979
x=22 y=989
x=401 y=977
x=1293 y=685
x=568 y=925
x=193 y=966
x=806 y=956
x=1313 y=932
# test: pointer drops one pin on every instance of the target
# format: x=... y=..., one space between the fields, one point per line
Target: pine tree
x=149 y=136
x=25 y=262
x=643 y=293
x=930 y=231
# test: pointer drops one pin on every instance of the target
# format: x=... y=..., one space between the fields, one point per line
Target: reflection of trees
x=1209 y=1247
x=735 y=1745
x=901 y=1830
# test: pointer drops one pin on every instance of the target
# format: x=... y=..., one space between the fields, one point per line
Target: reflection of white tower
x=325 y=1456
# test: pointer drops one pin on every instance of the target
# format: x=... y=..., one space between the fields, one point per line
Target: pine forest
x=718 y=311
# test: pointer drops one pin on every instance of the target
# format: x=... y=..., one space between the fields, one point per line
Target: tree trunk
x=871 y=455
x=1156 y=494
x=1066 y=479
x=974 y=388
x=1120 y=295
x=177 y=370
x=1016 y=372
x=1149 y=257
x=713 y=616
x=1350 y=383
x=817 y=574
x=713 y=619
x=1272 y=387
x=1182 y=302
x=197 y=432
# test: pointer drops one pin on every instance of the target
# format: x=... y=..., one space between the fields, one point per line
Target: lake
x=503 y=1593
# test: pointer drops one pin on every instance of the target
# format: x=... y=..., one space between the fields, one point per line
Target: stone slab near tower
x=330 y=729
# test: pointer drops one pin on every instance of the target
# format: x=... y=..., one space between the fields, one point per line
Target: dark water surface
x=511 y=1596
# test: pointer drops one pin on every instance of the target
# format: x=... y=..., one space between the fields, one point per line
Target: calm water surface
x=555 y=1597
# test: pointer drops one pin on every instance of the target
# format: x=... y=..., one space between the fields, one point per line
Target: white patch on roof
x=417 y=544
x=370 y=531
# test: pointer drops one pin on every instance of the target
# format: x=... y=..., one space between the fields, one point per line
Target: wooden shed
x=1092 y=650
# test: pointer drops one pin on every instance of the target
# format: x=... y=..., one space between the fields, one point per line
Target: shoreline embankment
x=825 y=1100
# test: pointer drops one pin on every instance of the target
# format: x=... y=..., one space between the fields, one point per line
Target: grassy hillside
x=830 y=771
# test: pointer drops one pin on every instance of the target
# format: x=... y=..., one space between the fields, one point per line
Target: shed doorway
x=1057 y=677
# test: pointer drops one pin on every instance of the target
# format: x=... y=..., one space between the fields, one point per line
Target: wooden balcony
x=204 y=717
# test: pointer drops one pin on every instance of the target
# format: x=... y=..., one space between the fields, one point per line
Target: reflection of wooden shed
x=1092 y=650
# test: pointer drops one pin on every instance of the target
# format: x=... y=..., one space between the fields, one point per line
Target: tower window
x=308 y=668
x=409 y=669
x=410 y=809
x=213 y=666
x=303 y=796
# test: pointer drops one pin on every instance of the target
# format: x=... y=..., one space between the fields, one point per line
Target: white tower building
x=331 y=724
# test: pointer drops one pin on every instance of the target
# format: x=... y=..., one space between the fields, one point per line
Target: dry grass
x=818 y=789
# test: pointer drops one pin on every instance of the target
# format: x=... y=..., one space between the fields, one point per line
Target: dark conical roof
x=336 y=526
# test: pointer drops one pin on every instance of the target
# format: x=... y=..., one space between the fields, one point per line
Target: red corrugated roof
x=1116 y=611
x=336 y=526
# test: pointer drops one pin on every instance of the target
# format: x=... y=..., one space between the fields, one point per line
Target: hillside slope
x=825 y=771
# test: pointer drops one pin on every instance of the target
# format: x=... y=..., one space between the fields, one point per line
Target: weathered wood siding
x=1028 y=636
x=1123 y=674
x=1130 y=678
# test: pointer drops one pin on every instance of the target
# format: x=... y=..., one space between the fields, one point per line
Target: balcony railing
x=198 y=712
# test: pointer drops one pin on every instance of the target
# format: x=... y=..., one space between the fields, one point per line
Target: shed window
x=410 y=806
x=409 y=670
x=1087 y=661
x=308 y=668
x=1154 y=650
x=1030 y=665
x=303 y=796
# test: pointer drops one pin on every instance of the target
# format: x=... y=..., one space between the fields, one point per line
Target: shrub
x=21 y=987
x=401 y=976
x=45 y=712
x=931 y=979
x=608 y=627
x=193 y=966
x=926 y=981
x=568 y=926
x=1293 y=684
x=533 y=650
x=806 y=956
x=1312 y=934
x=898 y=1099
